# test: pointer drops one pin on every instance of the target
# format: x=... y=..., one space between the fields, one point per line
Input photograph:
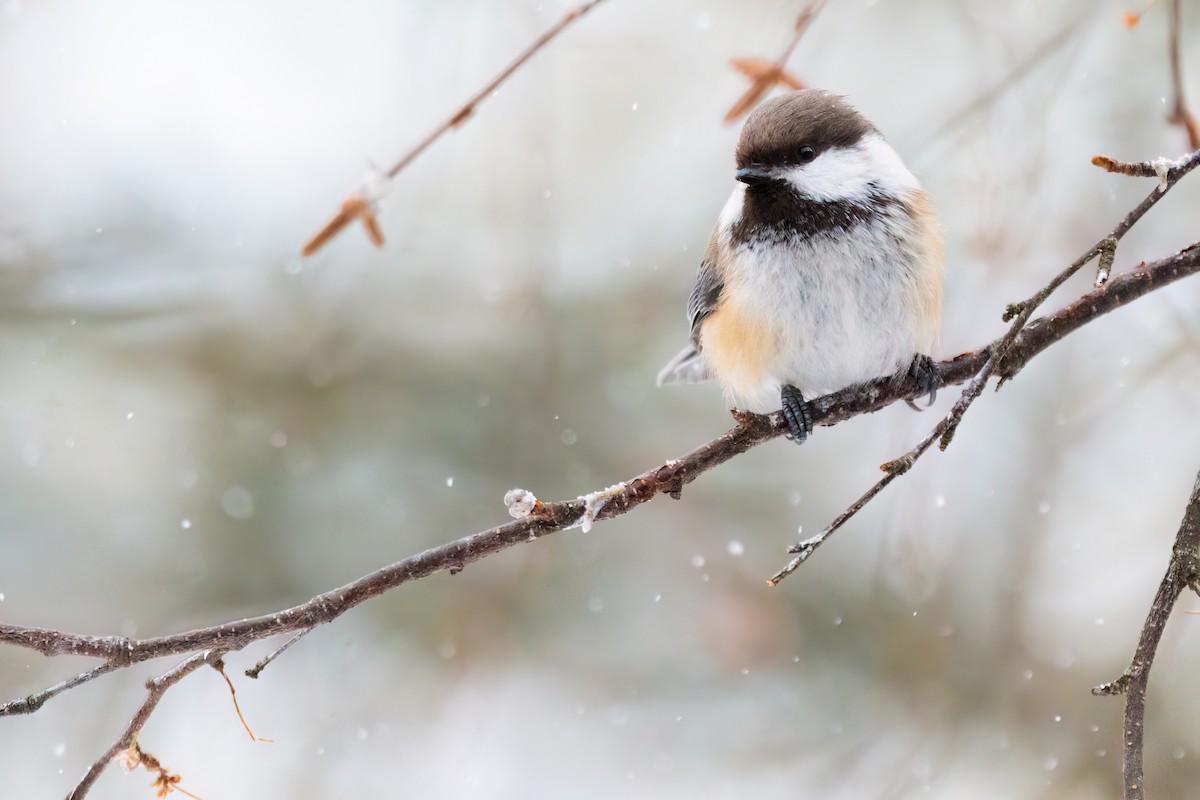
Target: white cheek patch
x=890 y=173
x=847 y=173
x=732 y=212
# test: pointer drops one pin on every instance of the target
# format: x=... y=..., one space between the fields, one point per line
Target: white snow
x=594 y=503
x=519 y=502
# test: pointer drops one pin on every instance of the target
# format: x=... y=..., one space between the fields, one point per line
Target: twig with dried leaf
x=764 y=74
x=126 y=745
x=361 y=206
x=165 y=781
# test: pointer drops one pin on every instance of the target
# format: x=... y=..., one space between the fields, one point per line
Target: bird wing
x=706 y=293
x=689 y=366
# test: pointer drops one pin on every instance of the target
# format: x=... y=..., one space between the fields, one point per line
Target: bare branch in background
x=1181 y=114
x=1183 y=571
x=1052 y=46
x=765 y=75
x=535 y=519
x=361 y=206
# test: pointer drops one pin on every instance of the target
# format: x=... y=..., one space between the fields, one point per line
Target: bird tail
x=687 y=367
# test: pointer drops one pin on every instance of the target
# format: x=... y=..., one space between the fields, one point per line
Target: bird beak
x=752 y=176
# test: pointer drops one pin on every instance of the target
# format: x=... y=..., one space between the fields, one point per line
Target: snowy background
x=197 y=426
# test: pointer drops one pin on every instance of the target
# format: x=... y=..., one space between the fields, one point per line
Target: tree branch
x=1183 y=570
x=1004 y=358
x=549 y=517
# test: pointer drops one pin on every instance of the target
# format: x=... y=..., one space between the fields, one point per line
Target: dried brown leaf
x=330 y=229
x=371 y=225
x=755 y=68
x=353 y=208
x=748 y=100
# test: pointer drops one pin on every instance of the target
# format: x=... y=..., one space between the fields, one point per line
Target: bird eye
x=807 y=154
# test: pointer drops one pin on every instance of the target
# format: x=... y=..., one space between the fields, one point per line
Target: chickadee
x=825 y=268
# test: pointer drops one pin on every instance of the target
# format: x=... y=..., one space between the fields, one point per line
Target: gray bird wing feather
x=689 y=365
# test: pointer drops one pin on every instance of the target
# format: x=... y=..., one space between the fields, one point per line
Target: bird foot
x=924 y=371
x=796 y=413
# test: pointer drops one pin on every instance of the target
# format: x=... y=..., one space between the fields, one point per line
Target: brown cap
x=775 y=132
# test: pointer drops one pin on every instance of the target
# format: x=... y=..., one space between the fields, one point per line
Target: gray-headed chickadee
x=825 y=268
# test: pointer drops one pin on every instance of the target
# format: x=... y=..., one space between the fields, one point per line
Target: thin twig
x=1183 y=570
x=155 y=689
x=468 y=108
x=809 y=546
x=361 y=207
x=1180 y=113
x=30 y=704
x=1048 y=48
x=257 y=669
x=1020 y=314
x=219 y=666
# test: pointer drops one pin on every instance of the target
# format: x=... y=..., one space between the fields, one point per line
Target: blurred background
x=197 y=425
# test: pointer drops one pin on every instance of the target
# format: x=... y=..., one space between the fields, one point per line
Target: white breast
x=841 y=309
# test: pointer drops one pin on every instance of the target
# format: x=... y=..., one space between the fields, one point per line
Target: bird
x=824 y=269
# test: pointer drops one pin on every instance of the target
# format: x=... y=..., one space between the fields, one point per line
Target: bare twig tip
x=26 y=705
x=1112 y=687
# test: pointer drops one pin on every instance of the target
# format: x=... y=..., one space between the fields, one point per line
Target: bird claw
x=796 y=413
x=924 y=371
